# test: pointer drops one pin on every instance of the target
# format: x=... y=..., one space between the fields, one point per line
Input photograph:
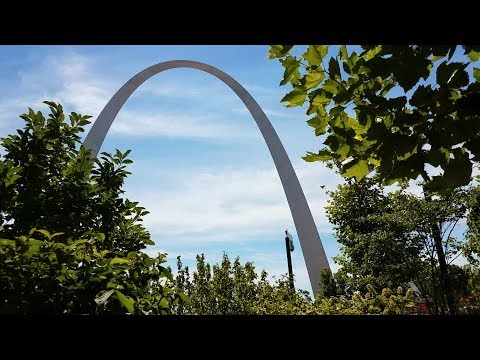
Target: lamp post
x=289 y=246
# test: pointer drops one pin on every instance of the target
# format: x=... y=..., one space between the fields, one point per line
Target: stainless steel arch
x=309 y=238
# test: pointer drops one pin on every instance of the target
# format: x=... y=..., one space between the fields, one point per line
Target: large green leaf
x=118 y=260
x=319 y=123
x=315 y=54
x=314 y=78
x=476 y=73
x=410 y=69
x=357 y=169
x=296 y=97
x=322 y=155
x=7 y=242
x=291 y=75
x=452 y=75
x=126 y=301
x=343 y=53
x=423 y=96
x=334 y=68
x=458 y=172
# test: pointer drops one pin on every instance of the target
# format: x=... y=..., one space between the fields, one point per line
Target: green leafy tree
x=379 y=245
x=49 y=181
x=387 y=239
x=432 y=123
x=92 y=261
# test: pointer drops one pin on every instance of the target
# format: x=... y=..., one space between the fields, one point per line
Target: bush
x=78 y=277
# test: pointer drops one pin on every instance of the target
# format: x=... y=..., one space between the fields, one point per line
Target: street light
x=289 y=246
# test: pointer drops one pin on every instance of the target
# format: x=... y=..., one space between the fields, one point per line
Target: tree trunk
x=442 y=264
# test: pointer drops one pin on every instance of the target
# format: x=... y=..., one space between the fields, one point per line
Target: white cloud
x=232 y=203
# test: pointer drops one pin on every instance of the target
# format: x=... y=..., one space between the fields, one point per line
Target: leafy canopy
x=48 y=180
x=90 y=259
x=433 y=118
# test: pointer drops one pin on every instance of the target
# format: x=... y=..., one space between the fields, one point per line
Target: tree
x=89 y=261
x=379 y=245
x=49 y=181
x=387 y=239
x=433 y=123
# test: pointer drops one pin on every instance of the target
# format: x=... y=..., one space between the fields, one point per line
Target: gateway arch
x=308 y=236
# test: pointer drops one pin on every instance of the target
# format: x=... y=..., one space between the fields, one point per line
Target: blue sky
x=201 y=166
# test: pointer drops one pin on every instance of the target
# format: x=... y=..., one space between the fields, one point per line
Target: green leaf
x=334 y=68
x=357 y=169
x=126 y=301
x=423 y=96
x=458 y=172
x=185 y=298
x=331 y=86
x=319 y=123
x=314 y=78
x=343 y=52
x=476 y=73
x=57 y=234
x=474 y=55
x=438 y=157
x=296 y=97
x=7 y=242
x=277 y=51
x=410 y=70
x=452 y=75
x=45 y=232
x=315 y=54
x=118 y=260
x=100 y=237
x=370 y=54
x=291 y=75
x=323 y=155
x=12 y=180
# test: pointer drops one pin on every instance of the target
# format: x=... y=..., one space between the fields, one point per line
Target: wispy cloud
x=73 y=80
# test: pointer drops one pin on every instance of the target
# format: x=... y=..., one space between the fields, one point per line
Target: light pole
x=289 y=246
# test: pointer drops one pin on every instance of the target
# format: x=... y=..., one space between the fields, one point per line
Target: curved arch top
x=308 y=236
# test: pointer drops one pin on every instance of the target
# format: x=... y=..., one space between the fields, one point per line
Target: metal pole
x=289 y=260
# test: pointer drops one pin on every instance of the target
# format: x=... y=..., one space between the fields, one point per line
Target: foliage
x=470 y=303
x=385 y=303
x=91 y=262
x=46 y=182
x=471 y=248
x=232 y=288
x=434 y=120
x=379 y=245
x=387 y=239
x=236 y=289
x=78 y=277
